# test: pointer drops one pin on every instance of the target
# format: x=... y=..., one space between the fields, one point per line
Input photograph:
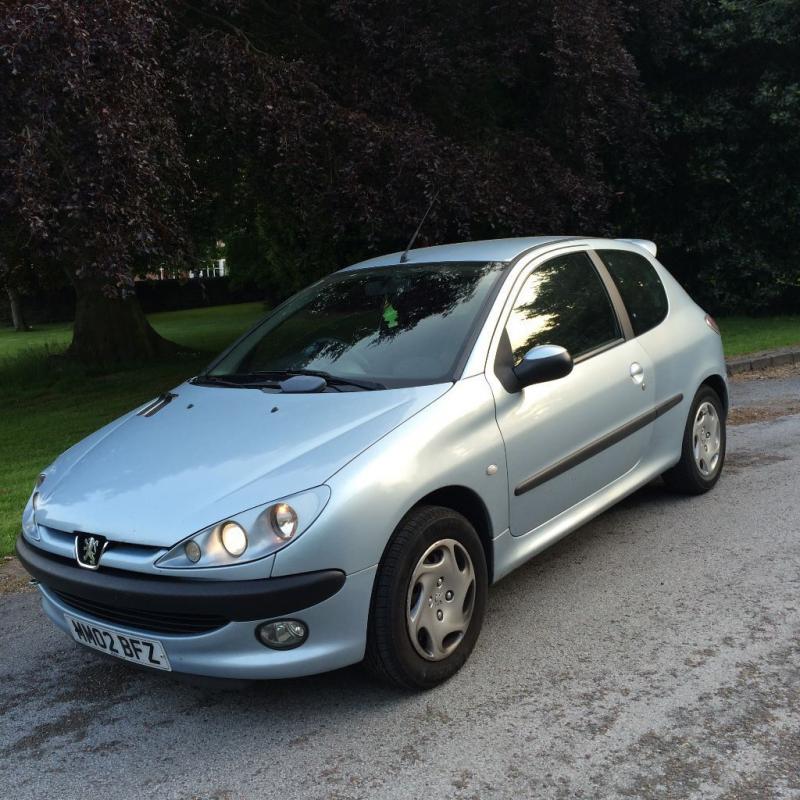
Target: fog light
x=35 y=501
x=192 y=550
x=234 y=539
x=284 y=634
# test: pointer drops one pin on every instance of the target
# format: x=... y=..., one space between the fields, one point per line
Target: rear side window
x=562 y=302
x=640 y=287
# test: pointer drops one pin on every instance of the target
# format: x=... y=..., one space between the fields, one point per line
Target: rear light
x=712 y=323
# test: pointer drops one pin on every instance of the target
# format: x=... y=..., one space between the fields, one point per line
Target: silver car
x=345 y=482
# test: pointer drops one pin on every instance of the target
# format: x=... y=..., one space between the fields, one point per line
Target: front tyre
x=703 y=448
x=428 y=601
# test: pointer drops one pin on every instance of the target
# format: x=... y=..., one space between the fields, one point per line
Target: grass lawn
x=206 y=329
x=47 y=406
x=46 y=409
x=750 y=334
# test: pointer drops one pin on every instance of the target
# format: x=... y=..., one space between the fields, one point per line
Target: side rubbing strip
x=597 y=446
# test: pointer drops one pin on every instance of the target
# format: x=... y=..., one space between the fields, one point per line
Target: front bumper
x=335 y=608
x=229 y=600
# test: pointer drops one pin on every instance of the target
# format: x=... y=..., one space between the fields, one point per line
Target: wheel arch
x=720 y=386
x=467 y=502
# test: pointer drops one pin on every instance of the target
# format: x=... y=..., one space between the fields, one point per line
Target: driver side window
x=563 y=302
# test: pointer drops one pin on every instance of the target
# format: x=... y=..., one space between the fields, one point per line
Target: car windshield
x=392 y=326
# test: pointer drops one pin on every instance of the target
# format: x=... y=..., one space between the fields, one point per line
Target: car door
x=567 y=439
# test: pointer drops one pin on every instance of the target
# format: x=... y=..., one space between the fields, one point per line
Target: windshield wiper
x=333 y=380
x=216 y=380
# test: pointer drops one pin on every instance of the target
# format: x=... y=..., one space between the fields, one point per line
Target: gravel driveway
x=654 y=653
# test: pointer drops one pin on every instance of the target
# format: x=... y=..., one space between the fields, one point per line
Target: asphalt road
x=655 y=653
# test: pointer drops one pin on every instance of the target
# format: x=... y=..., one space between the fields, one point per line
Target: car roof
x=485 y=250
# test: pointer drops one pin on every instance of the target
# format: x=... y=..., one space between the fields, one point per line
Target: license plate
x=148 y=652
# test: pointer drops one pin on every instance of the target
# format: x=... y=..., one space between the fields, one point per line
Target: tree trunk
x=109 y=331
x=17 y=317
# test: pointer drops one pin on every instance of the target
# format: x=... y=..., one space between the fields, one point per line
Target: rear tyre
x=428 y=601
x=703 y=448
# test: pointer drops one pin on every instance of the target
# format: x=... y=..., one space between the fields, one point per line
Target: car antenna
x=404 y=257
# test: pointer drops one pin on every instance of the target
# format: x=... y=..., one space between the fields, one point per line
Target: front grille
x=155 y=621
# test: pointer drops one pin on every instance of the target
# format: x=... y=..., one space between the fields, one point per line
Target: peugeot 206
x=345 y=482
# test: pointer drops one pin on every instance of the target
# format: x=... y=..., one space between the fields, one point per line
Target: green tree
x=728 y=118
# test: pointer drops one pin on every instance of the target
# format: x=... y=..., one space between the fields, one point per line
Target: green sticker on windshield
x=390 y=316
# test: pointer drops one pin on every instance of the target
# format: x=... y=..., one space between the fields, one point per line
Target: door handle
x=637 y=374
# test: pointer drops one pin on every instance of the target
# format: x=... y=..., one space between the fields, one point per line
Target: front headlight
x=234 y=538
x=250 y=535
x=29 y=527
x=284 y=520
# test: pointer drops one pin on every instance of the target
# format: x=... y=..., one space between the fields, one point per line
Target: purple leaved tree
x=92 y=176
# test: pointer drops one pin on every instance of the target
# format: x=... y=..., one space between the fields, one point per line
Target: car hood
x=211 y=453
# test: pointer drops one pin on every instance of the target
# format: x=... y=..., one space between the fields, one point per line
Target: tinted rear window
x=640 y=287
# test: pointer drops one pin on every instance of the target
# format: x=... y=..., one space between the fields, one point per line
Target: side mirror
x=547 y=362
